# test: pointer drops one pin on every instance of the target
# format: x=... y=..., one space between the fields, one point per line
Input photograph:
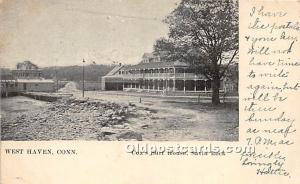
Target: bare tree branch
x=229 y=63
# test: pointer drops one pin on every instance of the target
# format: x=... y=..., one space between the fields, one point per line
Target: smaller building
x=27 y=77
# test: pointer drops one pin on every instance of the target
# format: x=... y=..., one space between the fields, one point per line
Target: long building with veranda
x=154 y=75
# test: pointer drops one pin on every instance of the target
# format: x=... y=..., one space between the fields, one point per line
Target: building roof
x=114 y=70
x=155 y=65
x=148 y=55
x=29 y=70
x=35 y=81
x=26 y=65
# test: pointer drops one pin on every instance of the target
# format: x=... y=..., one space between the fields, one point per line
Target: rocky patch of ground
x=71 y=119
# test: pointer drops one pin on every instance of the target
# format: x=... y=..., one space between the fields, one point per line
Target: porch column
x=158 y=83
x=205 y=86
x=153 y=87
x=224 y=86
x=158 y=73
x=195 y=85
x=184 y=80
x=174 y=80
x=148 y=85
x=168 y=85
x=140 y=74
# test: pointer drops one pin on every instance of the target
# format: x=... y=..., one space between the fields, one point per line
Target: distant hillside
x=5 y=74
x=74 y=73
x=5 y=71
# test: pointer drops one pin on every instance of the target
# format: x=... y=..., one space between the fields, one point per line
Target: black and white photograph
x=119 y=70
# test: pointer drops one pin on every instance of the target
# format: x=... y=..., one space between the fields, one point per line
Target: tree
x=205 y=34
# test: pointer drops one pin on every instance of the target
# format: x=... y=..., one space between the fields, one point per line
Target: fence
x=89 y=85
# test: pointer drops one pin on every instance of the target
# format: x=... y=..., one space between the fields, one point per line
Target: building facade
x=154 y=75
x=8 y=83
x=27 y=70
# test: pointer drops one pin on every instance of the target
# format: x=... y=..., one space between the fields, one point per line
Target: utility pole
x=56 y=79
x=56 y=76
x=83 y=61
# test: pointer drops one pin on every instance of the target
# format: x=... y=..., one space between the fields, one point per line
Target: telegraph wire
x=114 y=15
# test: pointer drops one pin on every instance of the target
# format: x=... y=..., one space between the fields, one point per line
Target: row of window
x=166 y=70
x=28 y=75
x=13 y=85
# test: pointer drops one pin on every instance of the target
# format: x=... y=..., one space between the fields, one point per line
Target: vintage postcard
x=149 y=91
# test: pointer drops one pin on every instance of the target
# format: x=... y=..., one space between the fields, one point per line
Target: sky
x=60 y=33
